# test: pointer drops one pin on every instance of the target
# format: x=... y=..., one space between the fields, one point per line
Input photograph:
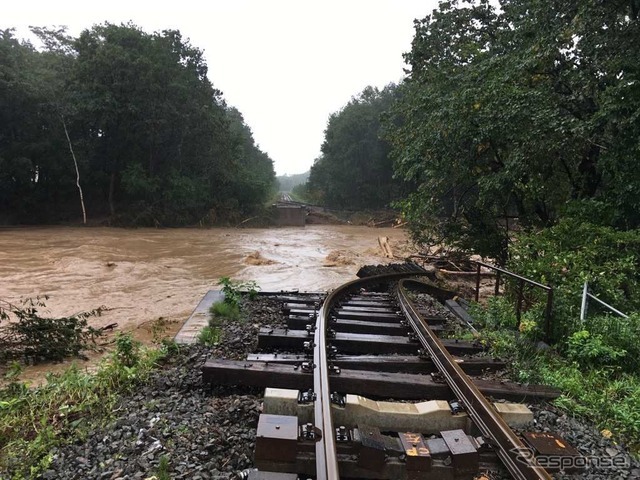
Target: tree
x=36 y=177
x=514 y=113
x=256 y=180
x=152 y=116
x=152 y=139
x=354 y=170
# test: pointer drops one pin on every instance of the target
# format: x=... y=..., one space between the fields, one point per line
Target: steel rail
x=510 y=449
x=326 y=455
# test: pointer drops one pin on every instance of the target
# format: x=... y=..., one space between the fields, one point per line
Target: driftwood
x=386 y=248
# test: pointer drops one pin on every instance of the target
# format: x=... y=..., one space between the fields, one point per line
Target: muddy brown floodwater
x=150 y=280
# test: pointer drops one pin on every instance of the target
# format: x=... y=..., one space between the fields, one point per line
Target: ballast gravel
x=204 y=432
x=208 y=433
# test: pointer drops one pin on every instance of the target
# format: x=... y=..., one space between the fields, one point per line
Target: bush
x=38 y=338
x=593 y=351
x=619 y=333
x=127 y=350
x=572 y=252
x=233 y=290
x=602 y=394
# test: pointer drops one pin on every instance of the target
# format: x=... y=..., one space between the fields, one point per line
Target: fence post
x=496 y=291
x=583 y=307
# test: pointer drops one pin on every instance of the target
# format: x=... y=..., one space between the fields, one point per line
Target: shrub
x=233 y=290
x=619 y=333
x=593 y=351
x=604 y=395
x=127 y=350
x=29 y=335
x=571 y=253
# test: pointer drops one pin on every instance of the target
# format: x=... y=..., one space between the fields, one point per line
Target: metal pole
x=496 y=292
x=583 y=307
x=614 y=310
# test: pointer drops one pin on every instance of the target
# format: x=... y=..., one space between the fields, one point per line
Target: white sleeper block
x=425 y=417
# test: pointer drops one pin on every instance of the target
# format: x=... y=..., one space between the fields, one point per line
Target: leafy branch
x=28 y=335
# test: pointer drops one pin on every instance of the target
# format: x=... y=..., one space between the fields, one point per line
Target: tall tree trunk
x=75 y=163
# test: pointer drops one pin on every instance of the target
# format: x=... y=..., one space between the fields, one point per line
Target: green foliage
x=225 y=310
x=355 y=170
x=618 y=334
x=210 y=335
x=575 y=251
x=286 y=183
x=603 y=395
x=162 y=472
x=150 y=151
x=39 y=338
x=169 y=347
x=498 y=313
x=300 y=193
x=233 y=290
x=593 y=351
x=512 y=112
x=35 y=420
x=127 y=350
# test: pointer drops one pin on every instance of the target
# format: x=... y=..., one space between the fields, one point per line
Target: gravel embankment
x=606 y=459
x=204 y=432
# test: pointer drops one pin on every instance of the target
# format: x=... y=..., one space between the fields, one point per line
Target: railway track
x=370 y=339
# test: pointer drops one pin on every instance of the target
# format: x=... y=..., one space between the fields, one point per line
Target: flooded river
x=146 y=276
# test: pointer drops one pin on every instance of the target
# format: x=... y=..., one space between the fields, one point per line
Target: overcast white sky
x=285 y=64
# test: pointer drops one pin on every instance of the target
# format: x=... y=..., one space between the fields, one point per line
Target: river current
x=146 y=276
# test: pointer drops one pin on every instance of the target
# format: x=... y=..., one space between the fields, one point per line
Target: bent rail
x=509 y=448
x=326 y=456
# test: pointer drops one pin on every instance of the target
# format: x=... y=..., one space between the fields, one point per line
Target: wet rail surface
x=476 y=404
x=322 y=350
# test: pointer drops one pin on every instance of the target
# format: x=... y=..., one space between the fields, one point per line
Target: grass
x=220 y=312
x=35 y=420
x=606 y=396
x=162 y=473
x=210 y=336
x=224 y=310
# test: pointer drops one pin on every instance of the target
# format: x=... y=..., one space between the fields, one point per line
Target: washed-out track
x=367 y=340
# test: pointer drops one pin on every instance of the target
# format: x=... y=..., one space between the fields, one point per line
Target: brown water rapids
x=146 y=276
